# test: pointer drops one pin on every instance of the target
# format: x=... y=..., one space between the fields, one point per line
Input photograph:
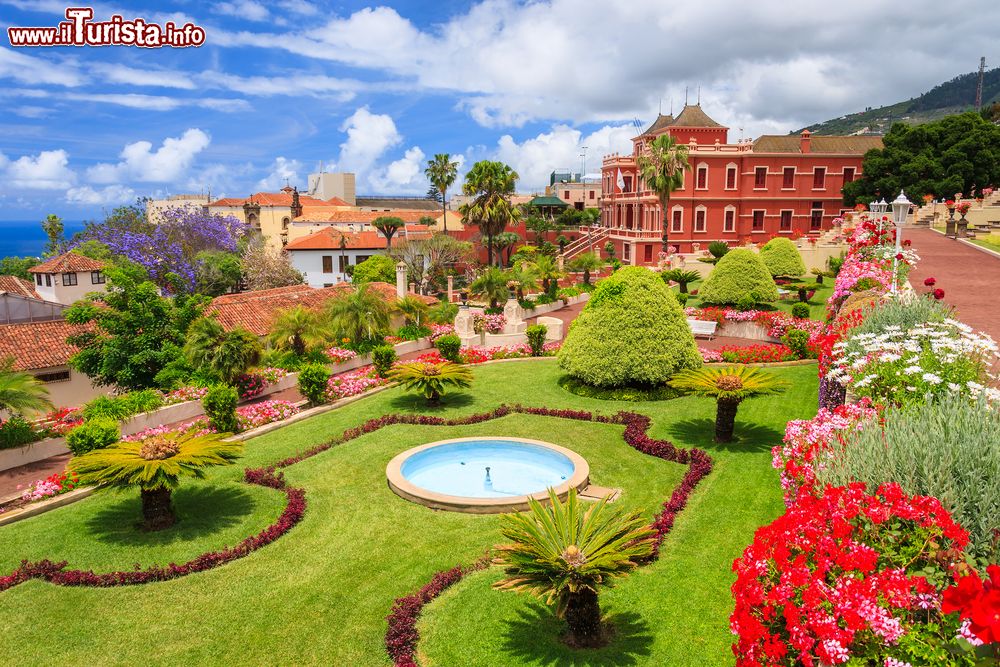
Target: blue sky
x=280 y=86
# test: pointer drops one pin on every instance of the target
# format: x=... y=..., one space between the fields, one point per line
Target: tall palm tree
x=729 y=386
x=490 y=184
x=525 y=275
x=414 y=310
x=226 y=354
x=21 y=392
x=586 y=262
x=565 y=554
x=361 y=315
x=388 y=225
x=155 y=466
x=547 y=269
x=490 y=284
x=442 y=172
x=298 y=329
x=662 y=167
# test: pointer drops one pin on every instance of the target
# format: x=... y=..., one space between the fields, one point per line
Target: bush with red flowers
x=849 y=576
x=977 y=602
x=938 y=293
x=929 y=282
x=764 y=353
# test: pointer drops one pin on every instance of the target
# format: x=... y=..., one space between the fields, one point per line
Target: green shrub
x=797 y=341
x=93 y=434
x=443 y=313
x=682 y=299
x=740 y=273
x=413 y=332
x=449 y=345
x=120 y=408
x=377 y=268
x=631 y=332
x=16 y=432
x=801 y=311
x=746 y=302
x=945 y=448
x=636 y=394
x=718 y=249
x=536 y=338
x=904 y=314
x=782 y=258
x=312 y=383
x=220 y=408
x=383 y=357
x=834 y=263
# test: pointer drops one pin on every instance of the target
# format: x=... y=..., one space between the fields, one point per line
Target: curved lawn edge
x=402 y=637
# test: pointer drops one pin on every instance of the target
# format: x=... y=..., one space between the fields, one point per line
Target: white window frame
x=794 y=174
x=701 y=167
x=826 y=173
x=732 y=168
x=791 y=220
x=726 y=228
x=767 y=172
x=763 y=217
x=704 y=220
x=673 y=228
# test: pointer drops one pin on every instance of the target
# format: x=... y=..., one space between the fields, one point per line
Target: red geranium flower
x=939 y=294
x=929 y=282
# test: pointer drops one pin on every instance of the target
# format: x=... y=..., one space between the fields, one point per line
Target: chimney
x=401 y=280
x=296 y=205
x=805 y=141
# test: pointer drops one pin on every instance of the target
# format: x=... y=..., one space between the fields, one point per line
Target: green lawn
x=320 y=594
x=817 y=304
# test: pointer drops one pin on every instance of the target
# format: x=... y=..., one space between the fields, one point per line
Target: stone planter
x=963 y=228
x=32 y=453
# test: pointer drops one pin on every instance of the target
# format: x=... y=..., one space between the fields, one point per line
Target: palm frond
x=733 y=383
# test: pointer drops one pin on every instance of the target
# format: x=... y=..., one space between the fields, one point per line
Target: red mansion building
x=748 y=191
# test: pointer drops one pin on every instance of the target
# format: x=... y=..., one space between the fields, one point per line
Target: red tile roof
x=19 y=286
x=328 y=238
x=406 y=215
x=36 y=345
x=270 y=199
x=336 y=201
x=255 y=311
x=68 y=262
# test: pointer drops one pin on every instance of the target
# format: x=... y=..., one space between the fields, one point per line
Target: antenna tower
x=979 y=86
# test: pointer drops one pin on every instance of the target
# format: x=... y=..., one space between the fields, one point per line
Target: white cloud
x=88 y=196
x=114 y=73
x=141 y=163
x=405 y=175
x=246 y=9
x=368 y=137
x=282 y=172
x=299 y=7
x=342 y=90
x=21 y=67
x=48 y=170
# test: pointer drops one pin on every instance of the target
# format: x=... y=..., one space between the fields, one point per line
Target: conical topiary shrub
x=632 y=332
x=739 y=276
x=782 y=258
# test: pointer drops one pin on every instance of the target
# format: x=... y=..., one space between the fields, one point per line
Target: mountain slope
x=950 y=97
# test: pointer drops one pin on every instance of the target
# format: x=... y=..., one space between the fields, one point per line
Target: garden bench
x=703 y=328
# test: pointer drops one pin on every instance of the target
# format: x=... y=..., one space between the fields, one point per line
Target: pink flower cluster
x=195 y=427
x=271 y=375
x=438 y=330
x=184 y=394
x=339 y=355
x=353 y=383
x=776 y=322
x=53 y=485
x=856 y=270
x=710 y=356
x=477 y=355
x=488 y=323
x=265 y=412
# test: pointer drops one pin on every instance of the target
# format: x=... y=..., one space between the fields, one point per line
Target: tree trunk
x=725 y=420
x=434 y=398
x=444 y=212
x=682 y=287
x=586 y=276
x=583 y=616
x=664 y=202
x=157 y=509
x=489 y=250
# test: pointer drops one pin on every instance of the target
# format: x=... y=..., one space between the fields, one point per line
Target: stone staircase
x=595 y=236
x=927 y=214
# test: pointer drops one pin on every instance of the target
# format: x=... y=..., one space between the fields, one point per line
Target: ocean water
x=25 y=237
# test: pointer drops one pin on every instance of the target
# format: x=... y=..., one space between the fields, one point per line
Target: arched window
x=731 y=173
x=254 y=221
x=677 y=219
x=700 y=214
x=729 y=219
x=701 y=182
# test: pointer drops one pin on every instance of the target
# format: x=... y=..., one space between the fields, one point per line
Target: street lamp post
x=879 y=208
x=900 y=210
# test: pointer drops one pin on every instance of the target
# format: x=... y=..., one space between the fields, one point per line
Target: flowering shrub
x=249 y=385
x=764 y=353
x=710 y=356
x=848 y=576
x=339 y=355
x=60 y=421
x=272 y=375
x=195 y=427
x=808 y=442
x=53 y=485
x=903 y=366
x=353 y=383
x=488 y=323
x=857 y=274
x=776 y=322
x=978 y=605
x=184 y=394
x=477 y=354
x=438 y=330
x=265 y=412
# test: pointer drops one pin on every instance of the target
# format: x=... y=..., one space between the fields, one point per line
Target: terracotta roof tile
x=328 y=215
x=693 y=116
x=791 y=143
x=336 y=201
x=68 y=262
x=269 y=199
x=19 y=286
x=35 y=345
x=661 y=123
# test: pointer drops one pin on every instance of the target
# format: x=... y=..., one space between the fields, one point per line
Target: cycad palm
x=525 y=275
x=682 y=277
x=226 y=354
x=413 y=310
x=547 y=270
x=491 y=284
x=155 y=467
x=431 y=379
x=661 y=167
x=586 y=262
x=361 y=315
x=442 y=172
x=21 y=392
x=565 y=554
x=729 y=386
x=490 y=184
x=298 y=329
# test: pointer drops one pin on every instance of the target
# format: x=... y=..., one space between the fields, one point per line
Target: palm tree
x=414 y=310
x=525 y=275
x=729 y=386
x=490 y=184
x=227 y=354
x=388 y=225
x=359 y=315
x=442 y=172
x=490 y=284
x=298 y=329
x=155 y=466
x=505 y=241
x=586 y=262
x=21 y=392
x=430 y=379
x=547 y=269
x=564 y=554
x=682 y=277
x=661 y=167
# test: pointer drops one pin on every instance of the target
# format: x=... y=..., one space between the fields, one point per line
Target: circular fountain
x=485 y=475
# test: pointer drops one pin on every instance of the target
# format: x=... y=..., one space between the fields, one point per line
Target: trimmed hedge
x=741 y=273
x=631 y=332
x=782 y=258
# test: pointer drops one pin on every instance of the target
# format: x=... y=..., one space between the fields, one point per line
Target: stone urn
x=949 y=228
x=696 y=246
x=962 y=227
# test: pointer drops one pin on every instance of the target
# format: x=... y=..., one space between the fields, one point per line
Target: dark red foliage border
x=401 y=637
